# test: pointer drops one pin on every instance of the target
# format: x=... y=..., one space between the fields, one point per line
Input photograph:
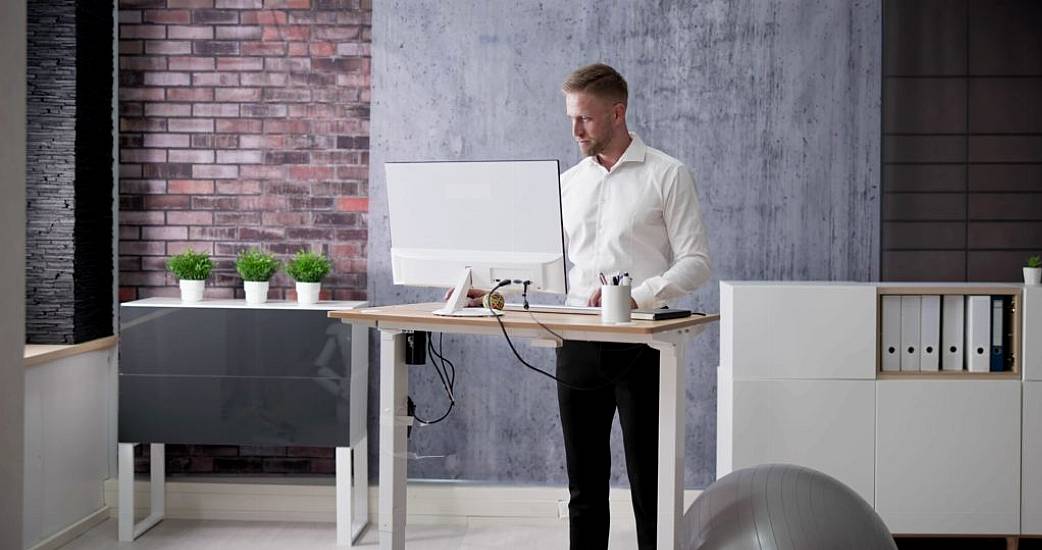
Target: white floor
x=451 y=534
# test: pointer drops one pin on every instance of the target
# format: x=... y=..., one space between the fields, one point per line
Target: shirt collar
x=636 y=152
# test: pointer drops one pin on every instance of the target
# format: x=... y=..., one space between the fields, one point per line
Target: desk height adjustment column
x=394 y=421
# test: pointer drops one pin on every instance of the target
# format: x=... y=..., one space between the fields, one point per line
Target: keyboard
x=584 y=310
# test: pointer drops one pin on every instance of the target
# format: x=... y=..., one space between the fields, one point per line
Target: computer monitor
x=472 y=224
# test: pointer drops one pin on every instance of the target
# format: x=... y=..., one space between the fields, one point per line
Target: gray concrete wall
x=774 y=106
x=12 y=270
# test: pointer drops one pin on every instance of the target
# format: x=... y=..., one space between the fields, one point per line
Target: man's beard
x=594 y=148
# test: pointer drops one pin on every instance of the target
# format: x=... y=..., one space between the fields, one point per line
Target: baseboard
x=61 y=538
x=267 y=499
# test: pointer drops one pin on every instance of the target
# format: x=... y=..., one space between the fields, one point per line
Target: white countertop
x=241 y=304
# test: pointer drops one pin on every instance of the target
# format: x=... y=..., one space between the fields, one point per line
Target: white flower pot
x=256 y=292
x=1032 y=275
x=191 y=291
x=307 y=293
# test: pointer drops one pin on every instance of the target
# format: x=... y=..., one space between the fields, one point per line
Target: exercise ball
x=783 y=507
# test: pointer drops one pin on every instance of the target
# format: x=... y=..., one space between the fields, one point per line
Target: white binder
x=953 y=323
x=910 y=307
x=929 y=333
x=890 y=340
x=978 y=333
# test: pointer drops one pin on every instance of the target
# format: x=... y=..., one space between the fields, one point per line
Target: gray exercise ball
x=783 y=507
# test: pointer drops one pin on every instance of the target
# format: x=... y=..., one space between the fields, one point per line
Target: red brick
x=240 y=4
x=142 y=155
x=262 y=141
x=240 y=157
x=127 y=294
x=189 y=3
x=310 y=172
x=237 y=218
x=142 y=187
x=215 y=171
x=215 y=79
x=238 y=94
x=191 y=125
x=129 y=16
x=189 y=218
x=204 y=202
x=168 y=47
x=345 y=250
x=262 y=233
x=283 y=33
x=239 y=32
x=287 y=94
x=142 y=248
x=215 y=109
x=212 y=233
x=142 y=31
x=215 y=141
x=297 y=49
x=142 y=63
x=239 y=64
x=143 y=278
x=353 y=204
x=263 y=48
x=263 y=202
x=158 y=292
x=353 y=49
x=287 y=126
x=190 y=186
x=142 y=125
x=239 y=126
x=263 y=18
x=141 y=94
x=166 y=140
x=287 y=64
x=337 y=33
x=263 y=110
x=160 y=202
x=322 y=49
x=167 y=79
x=240 y=187
x=191 y=63
x=352 y=172
x=190 y=32
x=174 y=17
x=165 y=232
x=194 y=156
x=167 y=109
x=131 y=47
x=137 y=217
x=255 y=171
x=283 y=218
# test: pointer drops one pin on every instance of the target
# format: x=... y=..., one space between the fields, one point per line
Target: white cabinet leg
x=344 y=504
x=128 y=530
x=670 y=443
x=394 y=419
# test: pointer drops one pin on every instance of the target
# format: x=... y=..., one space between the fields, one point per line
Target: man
x=627 y=208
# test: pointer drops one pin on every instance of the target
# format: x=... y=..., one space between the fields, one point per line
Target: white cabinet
x=948 y=456
x=798 y=331
x=1031 y=472
x=934 y=453
x=826 y=425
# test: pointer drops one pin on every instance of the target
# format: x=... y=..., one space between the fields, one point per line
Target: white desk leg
x=394 y=419
x=343 y=496
x=128 y=530
x=670 y=443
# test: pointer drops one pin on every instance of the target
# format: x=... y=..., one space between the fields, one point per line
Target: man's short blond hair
x=599 y=80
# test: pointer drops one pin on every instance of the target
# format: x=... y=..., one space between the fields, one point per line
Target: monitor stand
x=455 y=306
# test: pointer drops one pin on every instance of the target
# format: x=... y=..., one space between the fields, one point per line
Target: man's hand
x=474 y=296
x=595 y=300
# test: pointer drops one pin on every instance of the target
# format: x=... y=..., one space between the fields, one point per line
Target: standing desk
x=668 y=337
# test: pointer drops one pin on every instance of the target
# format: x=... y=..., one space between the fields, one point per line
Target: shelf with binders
x=946 y=332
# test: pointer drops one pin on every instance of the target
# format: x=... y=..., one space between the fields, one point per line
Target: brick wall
x=243 y=123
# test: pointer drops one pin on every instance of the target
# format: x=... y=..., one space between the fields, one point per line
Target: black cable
x=446 y=381
x=609 y=383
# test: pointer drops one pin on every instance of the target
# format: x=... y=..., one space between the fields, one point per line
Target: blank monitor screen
x=502 y=219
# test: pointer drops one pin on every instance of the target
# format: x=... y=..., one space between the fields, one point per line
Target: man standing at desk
x=627 y=208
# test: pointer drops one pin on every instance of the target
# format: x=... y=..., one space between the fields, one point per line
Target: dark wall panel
x=962 y=139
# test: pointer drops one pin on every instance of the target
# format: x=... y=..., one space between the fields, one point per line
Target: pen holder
x=615 y=304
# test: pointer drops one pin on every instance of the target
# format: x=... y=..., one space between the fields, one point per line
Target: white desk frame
x=394 y=419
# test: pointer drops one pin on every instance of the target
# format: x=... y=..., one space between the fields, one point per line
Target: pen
x=604 y=281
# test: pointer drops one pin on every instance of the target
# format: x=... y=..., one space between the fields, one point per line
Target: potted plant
x=191 y=268
x=307 y=269
x=1033 y=271
x=256 y=268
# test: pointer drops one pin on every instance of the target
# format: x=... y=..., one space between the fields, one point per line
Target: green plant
x=1035 y=261
x=308 y=267
x=190 y=265
x=255 y=265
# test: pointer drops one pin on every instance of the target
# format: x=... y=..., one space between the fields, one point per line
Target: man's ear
x=619 y=111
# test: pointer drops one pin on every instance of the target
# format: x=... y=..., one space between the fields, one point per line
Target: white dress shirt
x=640 y=217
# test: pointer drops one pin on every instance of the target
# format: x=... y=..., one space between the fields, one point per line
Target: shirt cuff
x=643 y=296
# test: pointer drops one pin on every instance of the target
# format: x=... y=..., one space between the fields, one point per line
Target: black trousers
x=627 y=376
